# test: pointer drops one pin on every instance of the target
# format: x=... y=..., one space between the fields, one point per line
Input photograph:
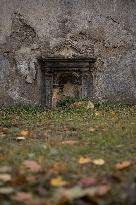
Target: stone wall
x=100 y=29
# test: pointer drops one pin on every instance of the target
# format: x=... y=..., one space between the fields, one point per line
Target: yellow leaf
x=58 y=182
x=99 y=162
x=123 y=165
x=84 y=160
x=24 y=133
x=97 y=113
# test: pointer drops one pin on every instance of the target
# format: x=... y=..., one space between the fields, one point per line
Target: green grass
x=113 y=140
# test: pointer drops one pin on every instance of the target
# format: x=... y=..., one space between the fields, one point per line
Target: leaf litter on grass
x=53 y=182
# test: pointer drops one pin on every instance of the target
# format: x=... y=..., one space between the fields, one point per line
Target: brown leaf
x=4 y=130
x=70 y=142
x=32 y=165
x=88 y=181
x=57 y=168
x=116 y=177
x=31 y=179
x=19 y=180
x=103 y=189
x=22 y=197
x=123 y=165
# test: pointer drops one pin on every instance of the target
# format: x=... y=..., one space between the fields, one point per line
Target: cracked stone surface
x=104 y=30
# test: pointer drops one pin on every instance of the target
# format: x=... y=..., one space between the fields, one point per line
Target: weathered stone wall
x=101 y=29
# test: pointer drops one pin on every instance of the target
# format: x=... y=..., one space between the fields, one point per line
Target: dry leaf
x=56 y=168
x=22 y=197
x=92 y=129
x=116 y=177
x=84 y=160
x=20 y=139
x=123 y=165
x=102 y=190
x=24 y=133
x=5 y=177
x=63 y=196
x=32 y=165
x=97 y=113
x=5 y=169
x=113 y=113
x=70 y=142
x=6 y=190
x=88 y=181
x=58 y=182
x=19 y=180
x=99 y=162
x=31 y=179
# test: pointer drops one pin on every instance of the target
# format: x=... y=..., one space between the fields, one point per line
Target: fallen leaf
x=102 y=190
x=4 y=130
x=31 y=179
x=123 y=165
x=70 y=142
x=58 y=182
x=84 y=160
x=92 y=129
x=32 y=165
x=6 y=190
x=98 y=162
x=5 y=169
x=113 y=113
x=63 y=196
x=88 y=181
x=3 y=157
x=5 y=177
x=97 y=113
x=20 y=139
x=19 y=180
x=116 y=177
x=24 y=133
x=22 y=197
x=57 y=168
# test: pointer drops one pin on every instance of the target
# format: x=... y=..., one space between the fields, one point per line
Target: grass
x=113 y=138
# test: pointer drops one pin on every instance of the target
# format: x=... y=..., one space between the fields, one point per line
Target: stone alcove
x=66 y=77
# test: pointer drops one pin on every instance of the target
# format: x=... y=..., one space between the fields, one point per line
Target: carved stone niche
x=66 y=77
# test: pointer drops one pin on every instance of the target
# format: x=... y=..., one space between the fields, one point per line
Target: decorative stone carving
x=67 y=85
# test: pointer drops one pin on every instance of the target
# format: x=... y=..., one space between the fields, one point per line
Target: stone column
x=87 y=85
x=48 y=89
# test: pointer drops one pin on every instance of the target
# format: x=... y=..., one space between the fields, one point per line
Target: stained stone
x=31 y=31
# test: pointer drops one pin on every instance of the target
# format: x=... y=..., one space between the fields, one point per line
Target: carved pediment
x=67 y=51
